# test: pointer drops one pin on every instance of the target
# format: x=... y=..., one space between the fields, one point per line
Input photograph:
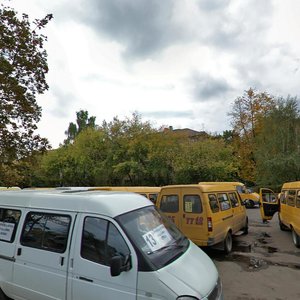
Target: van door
x=97 y=241
x=194 y=217
x=40 y=269
x=169 y=204
x=238 y=210
x=269 y=204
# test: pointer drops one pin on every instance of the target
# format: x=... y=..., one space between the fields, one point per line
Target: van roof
x=205 y=188
x=222 y=182
x=136 y=189
x=86 y=200
x=291 y=185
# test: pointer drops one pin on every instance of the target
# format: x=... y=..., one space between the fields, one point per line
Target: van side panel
x=194 y=215
x=89 y=274
x=10 y=225
x=42 y=255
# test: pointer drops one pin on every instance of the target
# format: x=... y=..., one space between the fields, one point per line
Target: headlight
x=186 y=298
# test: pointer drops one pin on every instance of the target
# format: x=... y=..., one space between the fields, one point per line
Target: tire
x=228 y=243
x=281 y=225
x=296 y=238
x=3 y=296
x=251 y=203
x=246 y=228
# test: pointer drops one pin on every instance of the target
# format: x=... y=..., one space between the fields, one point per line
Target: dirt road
x=264 y=265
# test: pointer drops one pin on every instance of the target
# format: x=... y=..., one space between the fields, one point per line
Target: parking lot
x=264 y=264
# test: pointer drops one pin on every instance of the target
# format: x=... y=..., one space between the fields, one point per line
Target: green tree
x=246 y=114
x=207 y=160
x=23 y=65
x=278 y=144
x=83 y=121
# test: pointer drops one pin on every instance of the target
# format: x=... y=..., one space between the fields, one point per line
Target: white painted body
x=28 y=273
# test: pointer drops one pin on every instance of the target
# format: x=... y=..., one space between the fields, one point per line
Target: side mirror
x=115 y=266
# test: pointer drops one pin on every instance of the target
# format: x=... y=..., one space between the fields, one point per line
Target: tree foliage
x=132 y=152
x=247 y=112
x=278 y=144
x=83 y=121
x=23 y=65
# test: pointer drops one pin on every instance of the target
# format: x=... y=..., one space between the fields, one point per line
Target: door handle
x=85 y=279
x=62 y=260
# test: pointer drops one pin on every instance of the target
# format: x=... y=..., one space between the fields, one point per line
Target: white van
x=86 y=244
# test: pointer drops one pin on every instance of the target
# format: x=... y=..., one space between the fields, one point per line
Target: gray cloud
x=143 y=26
x=205 y=88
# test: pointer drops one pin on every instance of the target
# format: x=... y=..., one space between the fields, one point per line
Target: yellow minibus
x=149 y=192
x=207 y=214
x=250 y=198
x=287 y=205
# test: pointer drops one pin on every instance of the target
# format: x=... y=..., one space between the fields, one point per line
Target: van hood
x=194 y=273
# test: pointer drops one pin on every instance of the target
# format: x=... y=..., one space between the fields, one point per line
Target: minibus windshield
x=156 y=237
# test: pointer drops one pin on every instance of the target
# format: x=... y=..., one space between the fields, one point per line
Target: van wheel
x=228 y=243
x=296 y=238
x=281 y=225
x=245 y=229
x=3 y=296
x=250 y=203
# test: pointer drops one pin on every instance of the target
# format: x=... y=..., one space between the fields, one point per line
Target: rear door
x=40 y=269
x=238 y=210
x=169 y=204
x=193 y=221
x=269 y=204
x=96 y=241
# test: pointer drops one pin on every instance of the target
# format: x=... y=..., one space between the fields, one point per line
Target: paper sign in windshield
x=157 y=238
x=6 y=231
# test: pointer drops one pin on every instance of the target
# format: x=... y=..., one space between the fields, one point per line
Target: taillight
x=209 y=224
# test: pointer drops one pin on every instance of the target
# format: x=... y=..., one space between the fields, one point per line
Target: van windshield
x=154 y=235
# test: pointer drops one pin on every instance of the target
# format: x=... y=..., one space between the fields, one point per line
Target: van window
x=233 y=199
x=223 y=201
x=241 y=189
x=291 y=198
x=157 y=240
x=9 y=220
x=153 y=197
x=46 y=231
x=213 y=202
x=283 y=196
x=298 y=199
x=169 y=203
x=192 y=204
x=101 y=241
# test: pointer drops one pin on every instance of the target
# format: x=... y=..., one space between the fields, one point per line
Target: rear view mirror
x=115 y=266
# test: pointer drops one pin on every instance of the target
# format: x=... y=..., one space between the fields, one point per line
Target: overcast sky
x=177 y=63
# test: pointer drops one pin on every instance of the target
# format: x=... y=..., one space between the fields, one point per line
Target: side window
x=192 y=204
x=101 y=241
x=153 y=197
x=223 y=201
x=213 y=202
x=291 y=198
x=46 y=231
x=169 y=203
x=298 y=199
x=9 y=220
x=283 y=196
x=233 y=199
x=241 y=189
